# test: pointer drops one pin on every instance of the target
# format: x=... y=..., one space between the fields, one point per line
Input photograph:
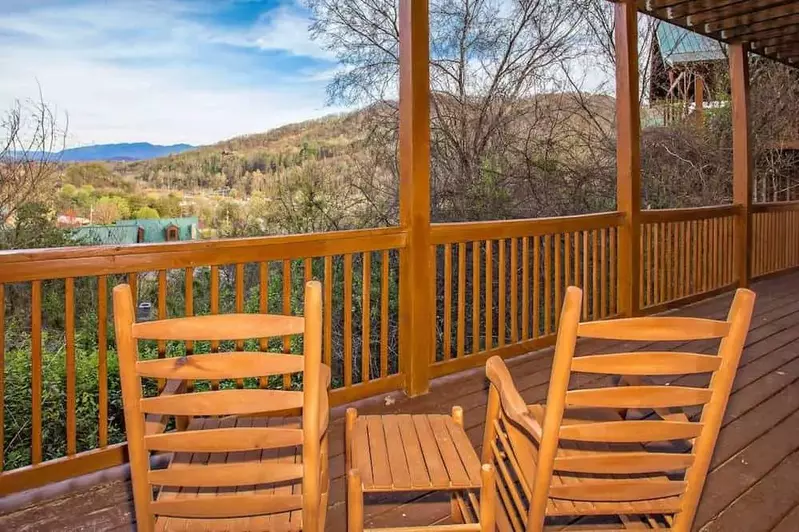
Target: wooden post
x=742 y=164
x=417 y=275
x=699 y=99
x=628 y=155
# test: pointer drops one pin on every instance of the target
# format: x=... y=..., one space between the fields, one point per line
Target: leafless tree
x=31 y=140
x=490 y=61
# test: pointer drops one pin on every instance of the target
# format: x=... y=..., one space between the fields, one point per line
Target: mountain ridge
x=121 y=152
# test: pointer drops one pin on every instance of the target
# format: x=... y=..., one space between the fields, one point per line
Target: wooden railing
x=60 y=298
x=775 y=239
x=498 y=291
x=685 y=253
x=500 y=285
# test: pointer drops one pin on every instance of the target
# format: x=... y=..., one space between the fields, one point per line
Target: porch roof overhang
x=769 y=27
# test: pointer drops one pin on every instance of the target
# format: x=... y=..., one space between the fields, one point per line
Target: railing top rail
x=448 y=233
x=689 y=214
x=29 y=265
x=776 y=206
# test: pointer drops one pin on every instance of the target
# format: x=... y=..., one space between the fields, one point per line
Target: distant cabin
x=684 y=72
x=141 y=231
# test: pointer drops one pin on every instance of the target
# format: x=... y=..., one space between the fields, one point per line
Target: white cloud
x=282 y=29
x=147 y=71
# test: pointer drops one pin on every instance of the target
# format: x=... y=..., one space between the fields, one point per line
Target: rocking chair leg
x=354 y=502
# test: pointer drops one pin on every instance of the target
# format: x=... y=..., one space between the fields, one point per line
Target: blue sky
x=164 y=71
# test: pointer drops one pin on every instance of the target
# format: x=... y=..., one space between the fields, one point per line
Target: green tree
x=167 y=206
x=106 y=211
x=68 y=191
x=146 y=213
x=34 y=228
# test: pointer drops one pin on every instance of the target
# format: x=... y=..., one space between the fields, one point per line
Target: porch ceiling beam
x=772 y=13
x=753 y=6
x=783 y=52
x=760 y=27
x=710 y=8
x=791 y=38
x=767 y=34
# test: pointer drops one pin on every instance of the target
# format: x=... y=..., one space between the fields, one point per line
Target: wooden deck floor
x=753 y=485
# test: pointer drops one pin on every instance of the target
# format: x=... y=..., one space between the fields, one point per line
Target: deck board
x=752 y=484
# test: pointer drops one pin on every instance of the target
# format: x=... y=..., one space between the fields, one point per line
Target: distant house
x=683 y=73
x=139 y=231
x=67 y=221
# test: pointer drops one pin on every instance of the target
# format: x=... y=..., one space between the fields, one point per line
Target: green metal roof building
x=140 y=231
x=680 y=46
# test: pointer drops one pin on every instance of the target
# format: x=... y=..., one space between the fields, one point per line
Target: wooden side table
x=420 y=452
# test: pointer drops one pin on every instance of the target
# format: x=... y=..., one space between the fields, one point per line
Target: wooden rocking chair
x=233 y=468
x=582 y=455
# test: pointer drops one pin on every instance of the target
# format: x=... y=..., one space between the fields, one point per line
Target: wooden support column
x=628 y=155
x=699 y=99
x=742 y=164
x=417 y=275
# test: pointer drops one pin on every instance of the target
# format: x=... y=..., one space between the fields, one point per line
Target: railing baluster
x=2 y=373
x=447 y=303
x=347 y=320
x=577 y=263
x=613 y=301
x=263 y=308
x=646 y=250
x=188 y=311
x=558 y=280
x=657 y=262
x=547 y=284
x=525 y=288
x=307 y=268
x=696 y=240
x=514 y=291
x=585 y=275
x=102 y=358
x=328 y=311
x=720 y=229
x=643 y=274
x=669 y=252
x=768 y=233
x=36 y=372
x=682 y=269
x=69 y=333
x=461 y=348
x=188 y=302
x=366 y=318
x=240 y=309
x=663 y=262
x=133 y=282
x=684 y=274
x=501 y=278
x=567 y=252
x=475 y=297
x=489 y=289
x=384 y=296
x=536 y=278
x=595 y=274
x=714 y=279
x=214 y=310
x=705 y=258
x=287 y=312
x=603 y=289
x=794 y=237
